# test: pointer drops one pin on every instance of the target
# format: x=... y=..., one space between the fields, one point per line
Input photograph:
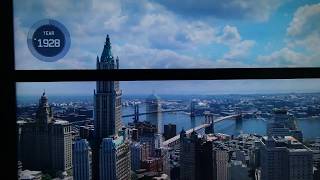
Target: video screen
x=213 y=129
x=148 y=34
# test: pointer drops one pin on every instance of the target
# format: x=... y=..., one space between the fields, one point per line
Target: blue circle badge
x=48 y=40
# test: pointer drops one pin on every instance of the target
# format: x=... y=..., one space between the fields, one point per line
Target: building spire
x=117 y=62
x=106 y=53
x=44 y=113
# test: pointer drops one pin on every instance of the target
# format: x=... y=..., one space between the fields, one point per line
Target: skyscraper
x=136 y=156
x=283 y=124
x=153 y=106
x=115 y=163
x=170 y=130
x=221 y=168
x=187 y=157
x=46 y=143
x=285 y=158
x=107 y=98
x=110 y=146
x=81 y=152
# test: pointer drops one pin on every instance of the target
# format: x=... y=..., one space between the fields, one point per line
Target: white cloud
x=304 y=29
x=133 y=56
x=230 y=35
x=115 y=22
x=148 y=29
x=304 y=20
x=303 y=41
x=200 y=32
x=238 y=48
x=285 y=57
x=232 y=9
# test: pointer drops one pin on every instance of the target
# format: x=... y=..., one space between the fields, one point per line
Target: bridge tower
x=192 y=108
x=238 y=118
x=209 y=120
x=136 y=113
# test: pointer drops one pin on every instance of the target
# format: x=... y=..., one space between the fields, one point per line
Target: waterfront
x=309 y=126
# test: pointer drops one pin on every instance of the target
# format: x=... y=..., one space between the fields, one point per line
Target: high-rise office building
x=197 y=158
x=147 y=134
x=189 y=160
x=153 y=107
x=46 y=143
x=107 y=125
x=206 y=160
x=115 y=159
x=285 y=158
x=136 y=156
x=202 y=157
x=169 y=131
x=81 y=152
x=145 y=151
x=164 y=155
x=238 y=171
x=107 y=98
x=283 y=124
x=221 y=165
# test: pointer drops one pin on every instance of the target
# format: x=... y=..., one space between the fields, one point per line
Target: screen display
x=169 y=129
x=151 y=34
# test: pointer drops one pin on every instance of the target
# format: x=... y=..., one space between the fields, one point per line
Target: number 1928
x=48 y=43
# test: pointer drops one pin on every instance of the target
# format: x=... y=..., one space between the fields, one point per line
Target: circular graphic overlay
x=48 y=40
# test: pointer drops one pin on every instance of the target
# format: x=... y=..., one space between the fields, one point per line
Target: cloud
x=238 y=48
x=133 y=56
x=144 y=35
x=232 y=9
x=304 y=29
x=302 y=47
x=305 y=20
x=230 y=35
x=286 y=57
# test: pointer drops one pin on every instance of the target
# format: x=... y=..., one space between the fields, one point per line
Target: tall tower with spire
x=107 y=98
x=46 y=142
x=44 y=112
x=110 y=147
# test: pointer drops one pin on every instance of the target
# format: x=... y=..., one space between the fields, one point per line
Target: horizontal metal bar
x=164 y=74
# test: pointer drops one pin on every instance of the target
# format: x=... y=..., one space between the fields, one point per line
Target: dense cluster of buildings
x=105 y=150
x=49 y=146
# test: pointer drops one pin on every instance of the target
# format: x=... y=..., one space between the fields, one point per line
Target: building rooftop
x=118 y=140
x=289 y=142
x=27 y=174
x=60 y=121
x=153 y=97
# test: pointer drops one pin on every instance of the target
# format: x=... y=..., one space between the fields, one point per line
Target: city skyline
x=182 y=87
x=172 y=129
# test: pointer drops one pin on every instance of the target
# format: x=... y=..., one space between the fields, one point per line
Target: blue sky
x=178 y=87
x=172 y=34
x=178 y=34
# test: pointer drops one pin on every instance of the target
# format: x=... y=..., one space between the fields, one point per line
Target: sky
x=194 y=87
x=179 y=34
